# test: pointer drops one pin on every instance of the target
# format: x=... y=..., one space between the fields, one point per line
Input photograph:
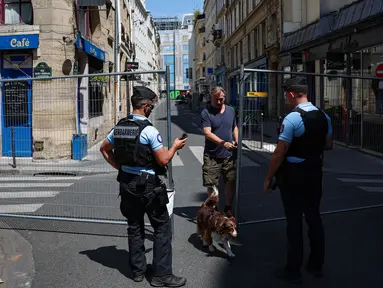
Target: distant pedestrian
x=219 y=125
x=297 y=162
x=135 y=148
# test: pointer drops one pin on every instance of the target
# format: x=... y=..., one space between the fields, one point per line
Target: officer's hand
x=266 y=185
x=179 y=144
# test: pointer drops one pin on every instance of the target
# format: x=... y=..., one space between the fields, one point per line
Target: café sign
x=13 y=42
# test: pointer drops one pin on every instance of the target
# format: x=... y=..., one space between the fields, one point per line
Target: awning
x=347 y=16
x=90 y=48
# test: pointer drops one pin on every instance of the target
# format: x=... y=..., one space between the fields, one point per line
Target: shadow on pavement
x=354 y=253
x=111 y=257
x=196 y=241
x=190 y=116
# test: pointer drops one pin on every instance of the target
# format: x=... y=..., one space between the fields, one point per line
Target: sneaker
x=286 y=275
x=168 y=281
x=139 y=278
x=228 y=212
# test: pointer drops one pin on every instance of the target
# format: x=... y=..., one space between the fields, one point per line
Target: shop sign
x=90 y=48
x=11 y=42
x=335 y=61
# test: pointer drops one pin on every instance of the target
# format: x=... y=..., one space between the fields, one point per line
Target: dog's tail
x=213 y=199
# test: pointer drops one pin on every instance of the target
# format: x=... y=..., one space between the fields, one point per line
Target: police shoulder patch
x=159 y=138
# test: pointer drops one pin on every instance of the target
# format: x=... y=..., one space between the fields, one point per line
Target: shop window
x=97 y=88
x=16 y=12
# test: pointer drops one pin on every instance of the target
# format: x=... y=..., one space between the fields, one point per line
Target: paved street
x=67 y=254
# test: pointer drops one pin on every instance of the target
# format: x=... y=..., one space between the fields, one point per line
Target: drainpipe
x=116 y=58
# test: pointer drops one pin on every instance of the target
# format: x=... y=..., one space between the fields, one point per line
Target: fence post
x=13 y=147
x=262 y=130
x=361 y=99
x=240 y=136
x=169 y=127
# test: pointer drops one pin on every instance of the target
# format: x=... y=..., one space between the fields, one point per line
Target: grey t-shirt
x=222 y=125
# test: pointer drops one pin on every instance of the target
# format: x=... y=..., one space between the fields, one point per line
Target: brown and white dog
x=211 y=222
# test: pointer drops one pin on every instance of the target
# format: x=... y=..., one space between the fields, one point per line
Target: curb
x=266 y=155
x=17 y=262
x=75 y=172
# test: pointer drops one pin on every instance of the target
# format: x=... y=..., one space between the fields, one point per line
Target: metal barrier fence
x=52 y=129
x=353 y=102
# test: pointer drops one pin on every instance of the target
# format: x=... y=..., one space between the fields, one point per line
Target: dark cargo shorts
x=213 y=167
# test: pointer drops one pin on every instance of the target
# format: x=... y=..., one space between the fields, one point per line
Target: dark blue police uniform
x=134 y=139
x=300 y=181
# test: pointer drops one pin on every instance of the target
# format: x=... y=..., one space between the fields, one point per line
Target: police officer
x=297 y=162
x=135 y=148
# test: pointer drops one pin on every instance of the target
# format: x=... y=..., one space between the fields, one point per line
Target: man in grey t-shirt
x=219 y=125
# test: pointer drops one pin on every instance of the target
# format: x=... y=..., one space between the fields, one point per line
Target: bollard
x=13 y=147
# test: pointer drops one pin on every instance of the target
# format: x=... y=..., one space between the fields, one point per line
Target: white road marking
x=355 y=180
x=30 y=185
x=198 y=153
x=176 y=161
x=37 y=178
x=20 y=208
x=28 y=194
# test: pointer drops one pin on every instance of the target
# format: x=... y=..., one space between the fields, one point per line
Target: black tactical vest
x=127 y=147
x=310 y=144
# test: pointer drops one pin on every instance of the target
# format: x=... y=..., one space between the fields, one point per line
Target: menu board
x=16 y=103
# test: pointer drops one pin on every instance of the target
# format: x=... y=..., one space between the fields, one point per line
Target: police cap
x=142 y=92
x=295 y=83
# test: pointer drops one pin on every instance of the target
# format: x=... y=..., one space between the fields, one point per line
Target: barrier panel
x=353 y=102
x=52 y=130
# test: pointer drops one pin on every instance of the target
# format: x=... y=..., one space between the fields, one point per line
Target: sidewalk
x=16 y=260
x=340 y=160
x=93 y=163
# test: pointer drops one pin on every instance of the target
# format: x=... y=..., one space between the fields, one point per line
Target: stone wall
x=54 y=101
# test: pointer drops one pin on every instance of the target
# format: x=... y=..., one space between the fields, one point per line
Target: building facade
x=200 y=82
x=209 y=47
x=146 y=42
x=57 y=39
x=175 y=35
x=340 y=37
x=252 y=38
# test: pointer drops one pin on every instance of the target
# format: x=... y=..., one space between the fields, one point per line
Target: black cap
x=142 y=92
x=296 y=82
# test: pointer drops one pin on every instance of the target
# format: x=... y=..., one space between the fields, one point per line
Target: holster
x=161 y=194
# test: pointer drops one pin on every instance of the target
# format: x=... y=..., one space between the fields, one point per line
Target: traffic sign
x=379 y=71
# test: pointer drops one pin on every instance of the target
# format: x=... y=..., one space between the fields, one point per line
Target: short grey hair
x=217 y=90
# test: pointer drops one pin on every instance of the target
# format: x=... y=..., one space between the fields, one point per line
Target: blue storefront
x=92 y=56
x=16 y=55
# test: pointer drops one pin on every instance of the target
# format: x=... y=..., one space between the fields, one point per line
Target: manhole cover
x=54 y=174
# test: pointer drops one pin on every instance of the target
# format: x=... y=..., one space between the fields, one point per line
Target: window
x=185 y=47
x=16 y=12
x=185 y=61
x=168 y=49
x=169 y=60
x=83 y=21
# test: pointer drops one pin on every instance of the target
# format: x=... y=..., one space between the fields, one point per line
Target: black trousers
x=135 y=202
x=301 y=192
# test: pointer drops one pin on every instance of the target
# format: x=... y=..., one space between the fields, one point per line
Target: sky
x=171 y=8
